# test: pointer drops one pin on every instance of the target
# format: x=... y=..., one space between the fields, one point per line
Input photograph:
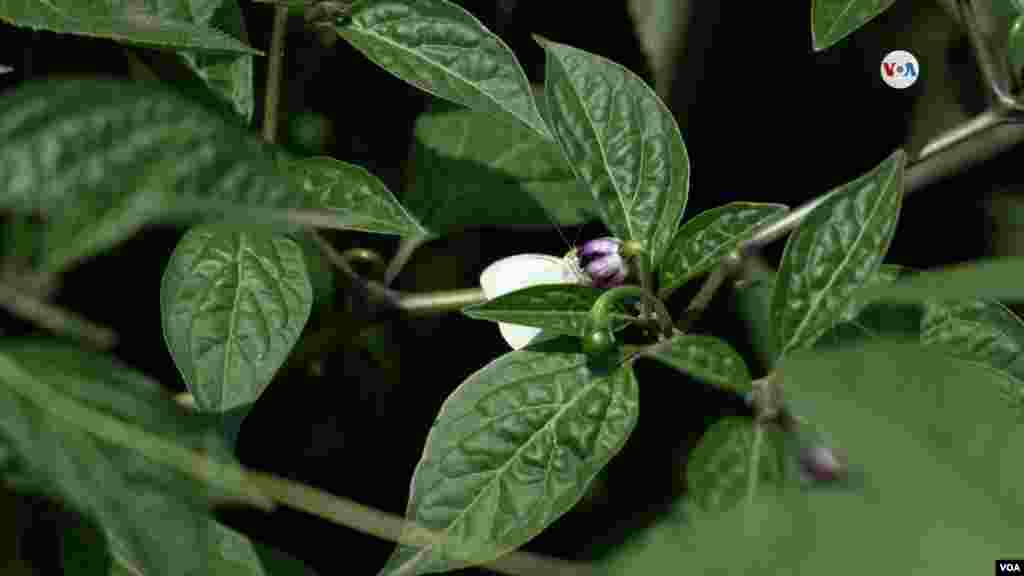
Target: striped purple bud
x=602 y=262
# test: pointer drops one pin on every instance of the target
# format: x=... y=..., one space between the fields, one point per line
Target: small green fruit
x=598 y=342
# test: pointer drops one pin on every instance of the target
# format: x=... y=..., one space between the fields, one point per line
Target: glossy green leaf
x=833 y=20
x=706 y=358
x=99 y=435
x=994 y=278
x=702 y=242
x=102 y=158
x=734 y=462
x=233 y=302
x=353 y=196
x=981 y=331
x=440 y=48
x=474 y=169
x=227 y=76
x=514 y=447
x=558 y=308
x=623 y=143
x=145 y=24
x=837 y=248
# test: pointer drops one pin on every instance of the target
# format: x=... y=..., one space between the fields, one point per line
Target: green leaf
x=939 y=452
x=753 y=298
x=233 y=303
x=514 y=447
x=559 y=308
x=837 y=248
x=833 y=20
x=660 y=27
x=134 y=22
x=706 y=358
x=980 y=331
x=735 y=460
x=474 y=169
x=227 y=76
x=102 y=158
x=1015 y=49
x=990 y=279
x=705 y=239
x=354 y=197
x=652 y=550
x=444 y=50
x=99 y=435
x=622 y=142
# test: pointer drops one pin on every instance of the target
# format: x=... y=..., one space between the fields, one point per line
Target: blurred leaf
x=983 y=332
x=353 y=196
x=834 y=252
x=622 y=142
x=753 y=299
x=702 y=242
x=991 y=279
x=133 y=22
x=442 y=49
x=514 y=447
x=233 y=303
x=660 y=27
x=98 y=435
x=735 y=461
x=102 y=158
x=833 y=20
x=706 y=358
x=474 y=169
x=939 y=466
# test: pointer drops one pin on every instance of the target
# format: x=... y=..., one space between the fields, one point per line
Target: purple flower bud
x=601 y=261
x=821 y=463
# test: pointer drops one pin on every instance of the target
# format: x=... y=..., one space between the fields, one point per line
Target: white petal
x=518 y=272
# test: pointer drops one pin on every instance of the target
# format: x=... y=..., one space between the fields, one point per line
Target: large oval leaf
x=135 y=22
x=513 y=448
x=98 y=435
x=101 y=158
x=833 y=20
x=836 y=250
x=705 y=239
x=732 y=462
x=233 y=303
x=622 y=142
x=353 y=195
x=706 y=358
x=471 y=168
x=442 y=49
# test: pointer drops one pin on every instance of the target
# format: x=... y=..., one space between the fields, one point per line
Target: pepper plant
x=860 y=409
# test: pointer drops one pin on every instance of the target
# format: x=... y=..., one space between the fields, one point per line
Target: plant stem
x=388 y=527
x=55 y=319
x=601 y=311
x=274 y=65
x=405 y=251
x=432 y=302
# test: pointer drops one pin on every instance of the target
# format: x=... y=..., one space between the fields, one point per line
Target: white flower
x=522 y=271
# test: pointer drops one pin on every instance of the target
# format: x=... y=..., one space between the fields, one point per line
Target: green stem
x=600 y=313
x=56 y=319
x=274 y=65
x=402 y=256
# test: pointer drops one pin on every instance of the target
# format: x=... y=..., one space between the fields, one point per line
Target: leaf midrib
x=815 y=302
x=533 y=437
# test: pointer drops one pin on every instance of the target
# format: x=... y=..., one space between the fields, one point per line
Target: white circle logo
x=900 y=69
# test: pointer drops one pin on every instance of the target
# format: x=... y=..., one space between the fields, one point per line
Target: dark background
x=764 y=119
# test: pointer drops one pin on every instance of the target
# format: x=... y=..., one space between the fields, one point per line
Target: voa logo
x=1008 y=567
x=900 y=69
